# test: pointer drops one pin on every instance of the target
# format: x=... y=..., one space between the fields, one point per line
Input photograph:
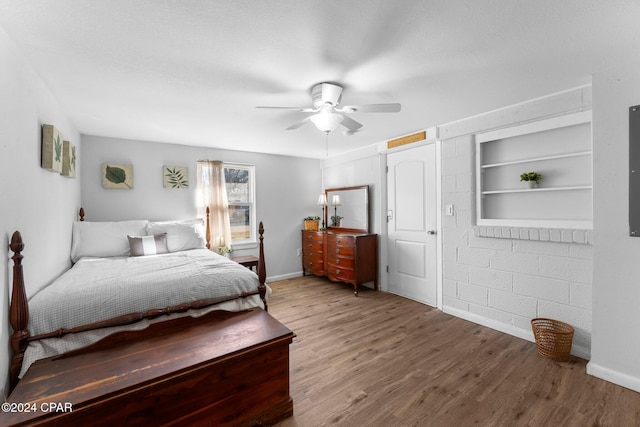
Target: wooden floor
x=382 y=360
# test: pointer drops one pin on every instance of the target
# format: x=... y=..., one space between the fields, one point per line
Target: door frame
x=438 y=262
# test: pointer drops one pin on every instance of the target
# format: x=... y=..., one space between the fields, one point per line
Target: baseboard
x=624 y=380
x=578 y=351
x=284 y=276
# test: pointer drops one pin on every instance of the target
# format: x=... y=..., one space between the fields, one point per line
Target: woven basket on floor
x=553 y=338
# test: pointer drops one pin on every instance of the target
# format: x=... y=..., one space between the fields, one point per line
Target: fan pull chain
x=326 y=143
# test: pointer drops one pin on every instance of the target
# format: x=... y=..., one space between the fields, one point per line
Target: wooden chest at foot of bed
x=221 y=369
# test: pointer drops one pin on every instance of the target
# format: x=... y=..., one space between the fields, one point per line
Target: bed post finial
x=208 y=232
x=262 y=269
x=81 y=214
x=18 y=312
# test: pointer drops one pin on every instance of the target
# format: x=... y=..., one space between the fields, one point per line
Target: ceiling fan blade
x=298 y=124
x=372 y=108
x=304 y=110
x=349 y=123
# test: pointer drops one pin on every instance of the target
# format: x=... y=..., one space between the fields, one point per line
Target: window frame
x=252 y=241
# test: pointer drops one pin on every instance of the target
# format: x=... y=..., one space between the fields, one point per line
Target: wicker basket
x=312 y=224
x=553 y=338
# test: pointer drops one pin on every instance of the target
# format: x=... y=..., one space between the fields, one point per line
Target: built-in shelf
x=538 y=159
x=560 y=149
x=538 y=190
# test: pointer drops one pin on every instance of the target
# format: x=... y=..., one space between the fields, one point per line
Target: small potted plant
x=336 y=220
x=531 y=179
x=225 y=251
x=312 y=223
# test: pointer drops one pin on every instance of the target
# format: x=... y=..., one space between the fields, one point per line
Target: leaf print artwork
x=73 y=158
x=175 y=177
x=117 y=176
x=68 y=159
x=58 y=148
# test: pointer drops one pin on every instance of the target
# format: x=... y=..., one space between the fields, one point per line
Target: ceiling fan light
x=326 y=122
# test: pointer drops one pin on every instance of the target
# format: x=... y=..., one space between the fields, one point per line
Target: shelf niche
x=558 y=148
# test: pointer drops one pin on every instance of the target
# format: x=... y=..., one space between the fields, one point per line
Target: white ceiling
x=192 y=71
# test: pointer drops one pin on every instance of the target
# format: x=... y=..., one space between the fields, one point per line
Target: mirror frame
x=327 y=213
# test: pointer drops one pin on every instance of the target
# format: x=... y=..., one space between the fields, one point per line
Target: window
x=240 y=182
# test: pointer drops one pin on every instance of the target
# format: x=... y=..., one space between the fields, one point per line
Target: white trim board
x=538 y=126
x=284 y=276
x=581 y=352
x=612 y=376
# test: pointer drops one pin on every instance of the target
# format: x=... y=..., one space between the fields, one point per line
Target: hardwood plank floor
x=383 y=360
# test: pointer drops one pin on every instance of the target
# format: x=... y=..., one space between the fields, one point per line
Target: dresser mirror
x=351 y=207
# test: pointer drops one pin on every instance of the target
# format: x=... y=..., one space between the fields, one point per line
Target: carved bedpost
x=262 y=269
x=18 y=312
x=208 y=232
x=81 y=214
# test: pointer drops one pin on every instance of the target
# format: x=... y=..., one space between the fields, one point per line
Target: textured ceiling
x=192 y=71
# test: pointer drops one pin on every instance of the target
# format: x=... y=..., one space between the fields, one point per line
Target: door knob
x=431 y=232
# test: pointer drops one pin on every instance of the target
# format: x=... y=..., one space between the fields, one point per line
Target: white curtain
x=212 y=193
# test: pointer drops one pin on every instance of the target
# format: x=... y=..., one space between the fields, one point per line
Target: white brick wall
x=509 y=275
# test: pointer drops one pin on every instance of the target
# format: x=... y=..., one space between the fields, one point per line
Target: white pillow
x=104 y=239
x=181 y=235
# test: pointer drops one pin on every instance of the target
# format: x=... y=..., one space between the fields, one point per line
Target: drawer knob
x=337 y=271
x=338 y=250
x=337 y=261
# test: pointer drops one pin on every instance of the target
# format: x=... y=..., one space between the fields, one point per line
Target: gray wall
x=286 y=191
x=616 y=289
x=38 y=203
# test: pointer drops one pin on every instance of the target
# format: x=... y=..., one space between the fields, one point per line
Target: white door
x=412 y=221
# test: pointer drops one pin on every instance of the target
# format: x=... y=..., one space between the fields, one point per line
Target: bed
x=109 y=289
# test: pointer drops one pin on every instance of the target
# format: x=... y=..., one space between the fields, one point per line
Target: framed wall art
x=175 y=177
x=51 y=149
x=68 y=160
x=116 y=176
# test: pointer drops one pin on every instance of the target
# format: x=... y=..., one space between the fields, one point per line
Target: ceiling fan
x=328 y=114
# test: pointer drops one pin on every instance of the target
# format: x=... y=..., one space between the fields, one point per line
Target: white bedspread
x=97 y=289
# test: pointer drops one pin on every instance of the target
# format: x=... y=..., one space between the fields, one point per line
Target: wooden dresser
x=341 y=256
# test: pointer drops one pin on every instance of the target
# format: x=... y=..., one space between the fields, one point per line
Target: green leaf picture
x=58 y=148
x=175 y=177
x=73 y=158
x=117 y=176
x=68 y=159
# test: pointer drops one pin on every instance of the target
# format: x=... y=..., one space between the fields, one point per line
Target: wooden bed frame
x=19 y=308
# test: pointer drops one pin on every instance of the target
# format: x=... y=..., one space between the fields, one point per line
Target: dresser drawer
x=340 y=262
x=316 y=268
x=340 y=240
x=340 y=273
x=317 y=257
x=313 y=262
x=312 y=236
x=344 y=251
x=312 y=246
